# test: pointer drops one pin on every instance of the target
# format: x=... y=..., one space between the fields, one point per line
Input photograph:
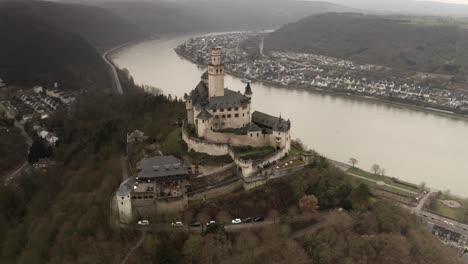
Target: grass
x=207 y=160
x=254 y=153
x=457 y=214
x=389 y=181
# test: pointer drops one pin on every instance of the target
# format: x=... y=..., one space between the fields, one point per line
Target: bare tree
x=353 y=161
x=382 y=171
x=375 y=168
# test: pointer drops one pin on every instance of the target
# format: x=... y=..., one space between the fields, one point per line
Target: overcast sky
x=454 y=1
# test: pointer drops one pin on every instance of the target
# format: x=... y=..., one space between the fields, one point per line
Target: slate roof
x=126 y=186
x=160 y=166
x=252 y=127
x=248 y=90
x=204 y=75
x=231 y=99
x=270 y=123
x=204 y=115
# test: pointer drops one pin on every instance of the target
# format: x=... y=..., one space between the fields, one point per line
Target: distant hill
x=414 y=7
x=99 y=26
x=35 y=52
x=435 y=45
x=163 y=17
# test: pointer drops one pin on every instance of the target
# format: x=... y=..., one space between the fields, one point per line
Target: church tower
x=215 y=74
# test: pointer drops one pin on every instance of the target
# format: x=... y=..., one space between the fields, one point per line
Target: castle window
x=214 y=110
x=251 y=134
x=221 y=110
x=229 y=116
x=243 y=114
x=224 y=116
x=203 y=121
x=229 y=109
x=216 y=124
x=279 y=133
x=257 y=134
x=121 y=203
x=236 y=115
x=237 y=108
x=122 y=198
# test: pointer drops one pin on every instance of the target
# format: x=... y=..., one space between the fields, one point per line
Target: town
x=327 y=74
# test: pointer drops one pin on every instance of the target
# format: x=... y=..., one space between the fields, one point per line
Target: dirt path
x=137 y=245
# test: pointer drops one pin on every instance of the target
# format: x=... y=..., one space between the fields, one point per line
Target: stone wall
x=204 y=146
x=216 y=191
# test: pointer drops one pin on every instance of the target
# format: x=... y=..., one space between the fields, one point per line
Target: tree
x=353 y=161
x=422 y=186
x=192 y=248
x=308 y=204
x=382 y=171
x=150 y=244
x=361 y=195
x=39 y=150
x=375 y=168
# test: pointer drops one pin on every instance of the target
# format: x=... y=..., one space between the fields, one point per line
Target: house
x=136 y=136
x=160 y=183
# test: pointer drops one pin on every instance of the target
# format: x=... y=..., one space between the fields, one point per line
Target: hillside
x=103 y=29
x=435 y=46
x=34 y=52
x=162 y=17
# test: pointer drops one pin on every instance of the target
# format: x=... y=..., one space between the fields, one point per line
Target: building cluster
x=39 y=103
x=323 y=73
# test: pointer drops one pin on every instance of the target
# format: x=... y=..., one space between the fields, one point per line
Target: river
x=411 y=145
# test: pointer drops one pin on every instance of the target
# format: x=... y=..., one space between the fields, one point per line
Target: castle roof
x=270 y=123
x=231 y=99
x=126 y=186
x=160 y=167
x=248 y=90
x=204 y=75
x=204 y=115
x=252 y=127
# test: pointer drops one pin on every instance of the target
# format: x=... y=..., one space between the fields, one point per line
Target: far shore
x=436 y=111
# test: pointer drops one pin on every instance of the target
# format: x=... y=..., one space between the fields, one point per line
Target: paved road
x=115 y=76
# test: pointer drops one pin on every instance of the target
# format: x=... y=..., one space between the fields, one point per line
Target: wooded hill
x=33 y=52
x=432 y=45
x=162 y=17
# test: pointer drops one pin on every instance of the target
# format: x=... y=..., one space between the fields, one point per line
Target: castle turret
x=248 y=91
x=215 y=74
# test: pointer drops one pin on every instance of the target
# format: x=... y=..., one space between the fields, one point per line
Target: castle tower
x=248 y=91
x=215 y=74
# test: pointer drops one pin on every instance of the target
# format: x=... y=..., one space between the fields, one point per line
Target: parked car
x=195 y=224
x=236 y=221
x=143 y=222
x=259 y=219
x=247 y=220
x=210 y=222
x=177 y=224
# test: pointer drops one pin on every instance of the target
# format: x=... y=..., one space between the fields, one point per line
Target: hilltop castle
x=221 y=118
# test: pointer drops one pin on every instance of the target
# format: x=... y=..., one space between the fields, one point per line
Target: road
x=115 y=75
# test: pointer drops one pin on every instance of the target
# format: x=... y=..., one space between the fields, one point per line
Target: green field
x=459 y=214
x=388 y=180
x=254 y=153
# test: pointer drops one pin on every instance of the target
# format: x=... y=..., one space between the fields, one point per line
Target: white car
x=210 y=222
x=143 y=222
x=177 y=224
x=236 y=221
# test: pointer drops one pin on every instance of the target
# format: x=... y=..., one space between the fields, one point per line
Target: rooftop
x=126 y=186
x=270 y=123
x=160 y=166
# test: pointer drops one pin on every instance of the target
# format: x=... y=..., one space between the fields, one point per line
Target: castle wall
x=216 y=191
x=230 y=118
x=203 y=146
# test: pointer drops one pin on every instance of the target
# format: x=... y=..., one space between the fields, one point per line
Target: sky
x=454 y=1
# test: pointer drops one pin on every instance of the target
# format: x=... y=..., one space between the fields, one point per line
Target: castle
x=222 y=118
x=218 y=119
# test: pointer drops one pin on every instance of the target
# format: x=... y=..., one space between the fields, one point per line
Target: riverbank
x=432 y=110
